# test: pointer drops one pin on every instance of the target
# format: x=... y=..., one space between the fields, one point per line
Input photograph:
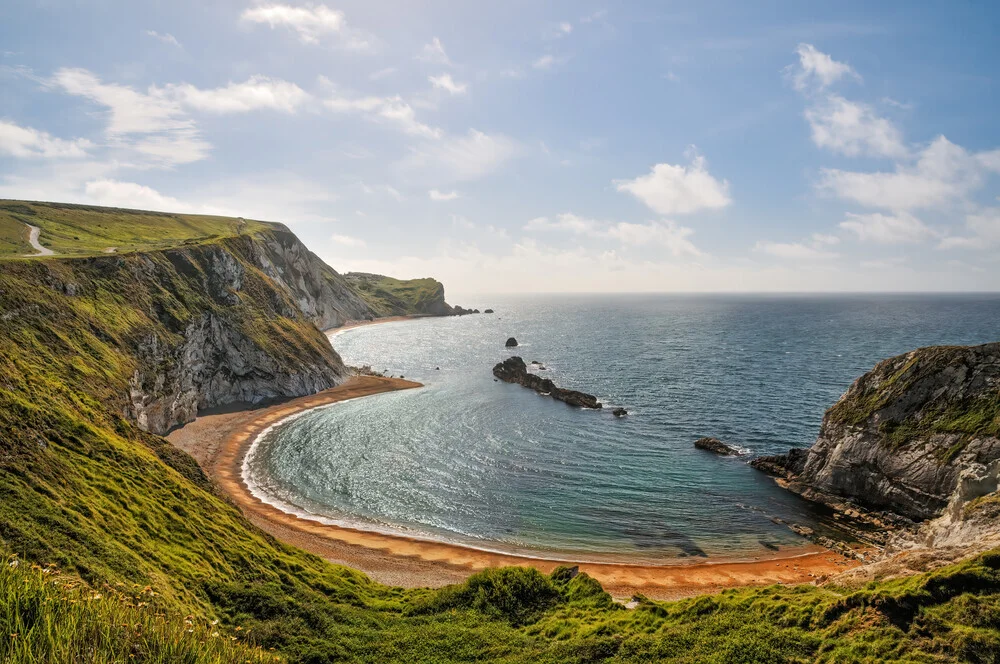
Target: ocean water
x=469 y=460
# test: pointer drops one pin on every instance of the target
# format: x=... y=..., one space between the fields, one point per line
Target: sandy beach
x=220 y=441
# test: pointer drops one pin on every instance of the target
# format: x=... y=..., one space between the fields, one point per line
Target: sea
x=472 y=461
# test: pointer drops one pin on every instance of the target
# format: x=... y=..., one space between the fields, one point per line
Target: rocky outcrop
x=716 y=446
x=918 y=435
x=514 y=370
x=388 y=296
x=232 y=320
x=619 y=412
x=512 y=343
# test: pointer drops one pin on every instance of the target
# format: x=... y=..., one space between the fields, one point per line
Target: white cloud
x=565 y=27
x=447 y=83
x=853 y=129
x=820 y=239
x=390 y=110
x=898 y=228
x=169 y=136
x=794 y=251
x=381 y=73
x=544 y=62
x=130 y=195
x=670 y=189
x=348 y=240
x=564 y=222
x=434 y=53
x=459 y=158
x=310 y=22
x=665 y=234
x=26 y=142
x=983 y=228
x=166 y=38
x=442 y=196
x=596 y=16
x=258 y=92
x=818 y=69
x=943 y=173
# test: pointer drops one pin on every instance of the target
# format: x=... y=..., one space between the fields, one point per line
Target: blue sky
x=523 y=146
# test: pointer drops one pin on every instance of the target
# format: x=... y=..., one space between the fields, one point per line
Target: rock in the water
x=514 y=370
x=488 y=311
x=619 y=412
x=716 y=446
x=511 y=343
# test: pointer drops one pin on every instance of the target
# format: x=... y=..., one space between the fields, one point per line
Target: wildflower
x=215 y=622
x=14 y=563
x=215 y=635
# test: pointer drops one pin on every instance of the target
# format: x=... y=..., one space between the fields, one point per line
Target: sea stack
x=511 y=343
x=514 y=370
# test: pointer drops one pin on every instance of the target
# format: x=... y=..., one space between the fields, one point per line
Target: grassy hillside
x=398 y=297
x=122 y=514
x=80 y=230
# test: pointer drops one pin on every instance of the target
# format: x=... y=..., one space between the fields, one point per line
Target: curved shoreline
x=220 y=442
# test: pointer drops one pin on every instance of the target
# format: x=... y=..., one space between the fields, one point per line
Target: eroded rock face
x=246 y=328
x=514 y=370
x=908 y=436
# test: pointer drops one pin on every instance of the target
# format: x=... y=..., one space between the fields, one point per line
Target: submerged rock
x=716 y=446
x=514 y=370
x=511 y=342
x=619 y=412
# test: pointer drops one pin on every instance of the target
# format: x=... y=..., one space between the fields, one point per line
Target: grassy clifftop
x=399 y=297
x=150 y=556
x=81 y=230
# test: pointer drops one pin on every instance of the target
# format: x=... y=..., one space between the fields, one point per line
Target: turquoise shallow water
x=469 y=460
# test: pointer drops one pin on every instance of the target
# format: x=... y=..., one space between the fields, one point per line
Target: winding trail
x=219 y=443
x=34 y=232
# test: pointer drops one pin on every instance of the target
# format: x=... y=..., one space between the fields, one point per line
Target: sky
x=565 y=146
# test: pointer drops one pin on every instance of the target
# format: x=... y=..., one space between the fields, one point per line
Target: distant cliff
x=917 y=435
x=397 y=297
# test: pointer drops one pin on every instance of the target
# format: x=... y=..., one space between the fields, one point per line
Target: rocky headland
x=911 y=452
x=514 y=370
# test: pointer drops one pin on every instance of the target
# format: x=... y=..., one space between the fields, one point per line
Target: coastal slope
x=106 y=525
x=397 y=297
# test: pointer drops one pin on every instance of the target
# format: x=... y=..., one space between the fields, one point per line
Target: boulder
x=716 y=446
x=619 y=412
x=488 y=311
x=511 y=343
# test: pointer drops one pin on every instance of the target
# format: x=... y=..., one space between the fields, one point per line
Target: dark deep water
x=470 y=460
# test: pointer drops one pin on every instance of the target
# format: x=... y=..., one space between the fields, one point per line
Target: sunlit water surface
x=470 y=460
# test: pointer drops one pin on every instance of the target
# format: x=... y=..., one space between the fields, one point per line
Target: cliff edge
x=918 y=436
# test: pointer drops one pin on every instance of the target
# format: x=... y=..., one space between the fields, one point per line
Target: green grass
x=398 y=297
x=892 y=379
x=46 y=618
x=80 y=230
x=123 y=514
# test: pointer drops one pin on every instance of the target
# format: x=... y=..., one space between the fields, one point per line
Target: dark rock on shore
x=782 y=465
x=511 y=343
x=619 y=412
x=716 y=446
x=514 y=370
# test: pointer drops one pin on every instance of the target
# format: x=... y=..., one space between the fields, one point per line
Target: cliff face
x=323 y=295
x=234 y=319
x=917 y=434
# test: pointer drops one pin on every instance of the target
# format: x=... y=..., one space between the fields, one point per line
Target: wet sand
x=220 y=441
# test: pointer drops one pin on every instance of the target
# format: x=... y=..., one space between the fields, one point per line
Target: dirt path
x=34 y=232
x=220 y=441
